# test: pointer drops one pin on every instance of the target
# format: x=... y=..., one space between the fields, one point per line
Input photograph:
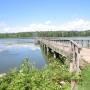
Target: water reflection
x=11 y=55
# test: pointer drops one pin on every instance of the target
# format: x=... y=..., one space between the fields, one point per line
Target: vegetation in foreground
x=52 y=77
x=85 y=84
x=55 y=76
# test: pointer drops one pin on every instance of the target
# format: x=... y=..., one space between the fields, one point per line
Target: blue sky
x=28 y=13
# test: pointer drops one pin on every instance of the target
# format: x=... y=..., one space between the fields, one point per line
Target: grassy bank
x=52 y=77
x=85 y=84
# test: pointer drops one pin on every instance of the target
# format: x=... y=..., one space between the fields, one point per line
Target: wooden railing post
x=77 y=59
x=74 y=64
x=82 y=42
x=88 y=45
x=72 y=67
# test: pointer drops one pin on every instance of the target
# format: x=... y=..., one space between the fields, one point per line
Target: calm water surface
x=13 y=51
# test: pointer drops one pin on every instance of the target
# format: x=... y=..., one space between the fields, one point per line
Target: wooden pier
x=71 y=49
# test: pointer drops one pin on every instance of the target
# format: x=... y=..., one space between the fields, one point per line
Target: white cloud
x=78 y=24
x=48 y=22
x=2 y=24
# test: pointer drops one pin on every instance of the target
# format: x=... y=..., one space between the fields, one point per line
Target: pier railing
x=68 y=48
x=81 y=42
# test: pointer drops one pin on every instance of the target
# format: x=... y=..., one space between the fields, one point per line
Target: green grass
x=85 y=83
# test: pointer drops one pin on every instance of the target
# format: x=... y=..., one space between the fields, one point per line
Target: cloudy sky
x=44 y=15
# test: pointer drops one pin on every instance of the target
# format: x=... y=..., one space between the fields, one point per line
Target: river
x=13 y=52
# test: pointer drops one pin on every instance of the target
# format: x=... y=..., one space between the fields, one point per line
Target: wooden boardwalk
x=64 y=47
x=72 y=49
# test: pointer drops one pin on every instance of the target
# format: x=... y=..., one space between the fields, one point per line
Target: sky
x=44 y=15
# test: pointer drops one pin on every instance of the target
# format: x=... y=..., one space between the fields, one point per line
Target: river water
x=13 y=51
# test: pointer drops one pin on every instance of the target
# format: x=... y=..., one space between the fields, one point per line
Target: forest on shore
x=46 y=34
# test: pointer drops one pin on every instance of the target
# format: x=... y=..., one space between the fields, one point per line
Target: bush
x=29 y=78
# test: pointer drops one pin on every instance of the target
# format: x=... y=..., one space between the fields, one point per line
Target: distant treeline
x=45 y=34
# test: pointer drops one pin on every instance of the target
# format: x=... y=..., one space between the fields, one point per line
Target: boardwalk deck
x=64 y=47
x=85 y=54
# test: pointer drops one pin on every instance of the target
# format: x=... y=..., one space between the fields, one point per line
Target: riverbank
x=51 y=77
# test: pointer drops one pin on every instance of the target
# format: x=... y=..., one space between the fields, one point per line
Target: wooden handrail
x=74 y=54
x=73 y=42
